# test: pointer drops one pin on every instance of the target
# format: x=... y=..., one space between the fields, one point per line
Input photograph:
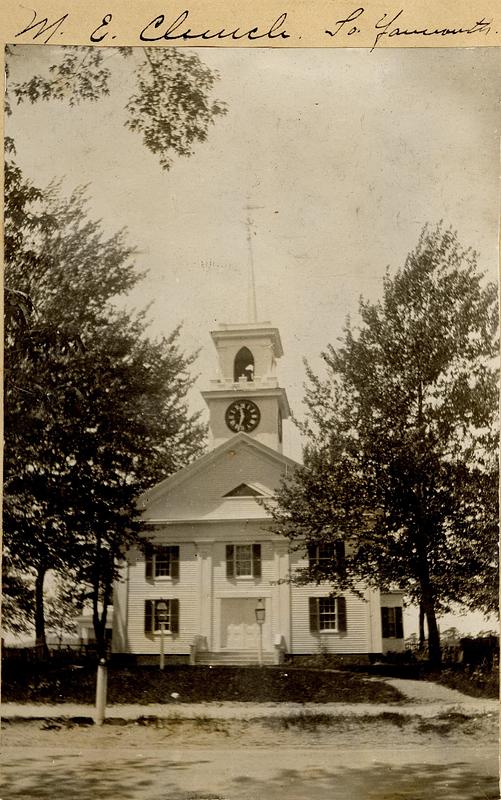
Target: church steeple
x=251 y=283
x=246 y=395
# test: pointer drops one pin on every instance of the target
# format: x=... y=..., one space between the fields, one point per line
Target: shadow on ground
x=191 y=779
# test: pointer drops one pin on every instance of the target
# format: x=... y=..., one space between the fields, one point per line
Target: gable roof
x=240 y=440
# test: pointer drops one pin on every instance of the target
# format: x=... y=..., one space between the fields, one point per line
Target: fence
x=52 y=653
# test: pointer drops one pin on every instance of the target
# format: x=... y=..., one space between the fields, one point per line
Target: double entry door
x=239 y=629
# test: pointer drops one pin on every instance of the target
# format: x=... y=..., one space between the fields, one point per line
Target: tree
x=400 y=460
x=62 y=607
x=170 y=108
x=88 y=425
x=60 y=334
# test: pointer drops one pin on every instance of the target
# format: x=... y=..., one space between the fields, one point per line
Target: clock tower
x=246 y=397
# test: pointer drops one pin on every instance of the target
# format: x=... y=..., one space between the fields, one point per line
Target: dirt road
x=206 y=760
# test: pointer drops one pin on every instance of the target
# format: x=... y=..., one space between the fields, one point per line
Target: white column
x=282 y=569
x=206 y=593
x=375 y=636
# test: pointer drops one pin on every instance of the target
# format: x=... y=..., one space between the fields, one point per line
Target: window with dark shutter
x=243 y=561
x=230 y=561
x=148 y=616
x=340 y=554
x=327 y=614
x=162 y=562
x=326 y=556
x=148 y=556
x=313 y=609
x=341 y=614
x=174 y=616
x=399 y=625
x=174 y=563
x=385 y=622
x=392 y=622
x=256 y=560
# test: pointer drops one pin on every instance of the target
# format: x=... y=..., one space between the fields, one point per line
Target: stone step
x=233 y=658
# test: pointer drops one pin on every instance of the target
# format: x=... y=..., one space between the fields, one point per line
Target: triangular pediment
x=225 y=483
x=244 y=490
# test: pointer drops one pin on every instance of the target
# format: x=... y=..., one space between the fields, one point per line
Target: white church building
x=212 y=558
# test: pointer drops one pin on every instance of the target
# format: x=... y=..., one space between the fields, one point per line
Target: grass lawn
x=477 y=684
x=144 y=685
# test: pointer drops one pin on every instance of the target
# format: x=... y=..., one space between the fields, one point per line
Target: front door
x=240 y=630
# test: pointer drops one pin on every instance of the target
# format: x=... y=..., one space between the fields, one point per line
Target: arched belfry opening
x=244 y=365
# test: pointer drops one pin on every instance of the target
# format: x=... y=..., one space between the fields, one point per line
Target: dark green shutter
x=340 y=554
x=148 y=555
x=399 y=625
x=385 y=622
x=256 y=560
x=230 y=564
x=314 y=621
x=174 y=562
x=312 y=555
x=148 y=616
x=174 y=616
x=341 y=614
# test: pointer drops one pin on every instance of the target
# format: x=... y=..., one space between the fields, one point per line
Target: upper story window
x=162 y=561
x=243 y=560
x=244 y=365
x=326 y=556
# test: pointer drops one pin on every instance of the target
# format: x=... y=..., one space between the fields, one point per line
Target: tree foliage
x=170 y=107
x=95 y=410
x=400 y=460
x=89 y=423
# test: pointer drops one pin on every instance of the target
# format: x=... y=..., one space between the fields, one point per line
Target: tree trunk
x=421 y=627
x=103 y=577
x=99 y=630
x=434 y=649
x=40 y=640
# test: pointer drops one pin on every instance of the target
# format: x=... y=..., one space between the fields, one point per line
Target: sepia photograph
x=250 y=501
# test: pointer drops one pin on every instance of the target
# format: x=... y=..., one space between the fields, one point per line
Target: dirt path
x=203 y=760
x=429 y=692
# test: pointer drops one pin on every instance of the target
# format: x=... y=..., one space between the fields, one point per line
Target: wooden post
x=101 y=687
x=162 y=645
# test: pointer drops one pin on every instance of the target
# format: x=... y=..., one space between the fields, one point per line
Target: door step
x=233 y=658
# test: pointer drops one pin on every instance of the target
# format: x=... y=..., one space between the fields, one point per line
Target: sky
x=344 y=154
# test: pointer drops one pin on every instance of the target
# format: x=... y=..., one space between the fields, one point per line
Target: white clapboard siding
x=356 y=639
x=141 y=589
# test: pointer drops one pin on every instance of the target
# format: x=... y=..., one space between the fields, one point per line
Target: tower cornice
x=256 y=330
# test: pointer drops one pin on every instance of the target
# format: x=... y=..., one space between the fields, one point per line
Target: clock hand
x=242 y=417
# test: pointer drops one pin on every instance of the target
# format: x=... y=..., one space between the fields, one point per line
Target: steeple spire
x=251 y=281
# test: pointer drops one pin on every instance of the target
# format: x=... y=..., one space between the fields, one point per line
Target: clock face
x=242 y=415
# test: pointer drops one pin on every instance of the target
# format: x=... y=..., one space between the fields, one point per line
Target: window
x=326 y=556
x=151 y=616
x=244 y=365
x=162 y=562
x=392 y=622
x=327 y=614
x=244 y=490
x=243 y=560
